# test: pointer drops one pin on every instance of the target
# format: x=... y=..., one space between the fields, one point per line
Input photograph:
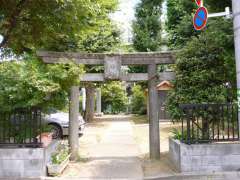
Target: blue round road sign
x=200 y=18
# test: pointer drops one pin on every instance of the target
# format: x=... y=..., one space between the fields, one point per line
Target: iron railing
x=21 y=128
x=204 y=123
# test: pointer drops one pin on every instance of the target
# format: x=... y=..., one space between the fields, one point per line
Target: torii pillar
x=73 y=122
x=99 y=102
x=153 y=112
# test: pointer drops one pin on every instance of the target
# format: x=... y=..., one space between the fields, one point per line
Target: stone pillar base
x=99 y=114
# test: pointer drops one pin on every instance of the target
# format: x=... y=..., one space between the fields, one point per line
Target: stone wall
x=205 y=157
x=25 y=162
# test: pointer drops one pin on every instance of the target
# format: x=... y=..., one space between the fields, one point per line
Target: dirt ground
x=162 y=166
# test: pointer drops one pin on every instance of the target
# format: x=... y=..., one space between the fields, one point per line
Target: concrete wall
x=25 y=162
x=205 y=157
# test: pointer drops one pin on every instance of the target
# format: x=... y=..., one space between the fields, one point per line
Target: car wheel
x=56 y=131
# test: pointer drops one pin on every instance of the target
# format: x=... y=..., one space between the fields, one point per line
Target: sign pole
x=236 y=26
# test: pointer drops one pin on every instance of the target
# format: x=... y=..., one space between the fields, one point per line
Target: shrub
x=203 y=68
x=114 y=98
x=139 y=103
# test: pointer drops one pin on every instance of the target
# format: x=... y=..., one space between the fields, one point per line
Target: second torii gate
x=112 y=71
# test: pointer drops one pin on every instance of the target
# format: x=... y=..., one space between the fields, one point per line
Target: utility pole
x=236 y=27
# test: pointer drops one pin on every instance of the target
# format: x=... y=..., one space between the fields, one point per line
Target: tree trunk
x=90 y=103
x=73 y=122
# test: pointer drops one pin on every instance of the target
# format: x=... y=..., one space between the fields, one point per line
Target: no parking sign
x=200 y=17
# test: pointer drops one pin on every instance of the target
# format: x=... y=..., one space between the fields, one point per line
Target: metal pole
x=236 y=26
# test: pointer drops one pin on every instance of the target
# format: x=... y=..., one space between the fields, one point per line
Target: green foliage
x=114 y=98
x=176 y=10
x=139 y=103
x=179 y=22
x=61 y=154
x=29 y=83
x=140 y=119
x=203 y=67
x=104 y=39
x=217 y=6
x=182 y=135
x=181 y=33
x=57 y=25
x=179 y=19
x=137 y=69
x=147 y=27
x=206 y=60
x=53 y=25
x=178 y=134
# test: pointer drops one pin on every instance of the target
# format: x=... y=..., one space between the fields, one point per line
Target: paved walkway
x=109 y=151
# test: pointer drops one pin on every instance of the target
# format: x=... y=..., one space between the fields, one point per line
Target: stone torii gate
x=112 y=71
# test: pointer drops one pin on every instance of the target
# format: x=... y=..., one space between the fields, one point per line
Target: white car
x=59 y=124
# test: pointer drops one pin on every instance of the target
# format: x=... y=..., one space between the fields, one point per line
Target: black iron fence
x=204 y=123
x=21 y=128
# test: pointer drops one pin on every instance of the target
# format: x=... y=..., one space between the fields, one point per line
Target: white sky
x=124 y=17
x=126 y=14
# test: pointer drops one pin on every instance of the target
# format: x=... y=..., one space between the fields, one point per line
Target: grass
x=82 y=159
x=140 y=119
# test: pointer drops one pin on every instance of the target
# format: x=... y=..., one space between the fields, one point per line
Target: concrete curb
x=234 y=175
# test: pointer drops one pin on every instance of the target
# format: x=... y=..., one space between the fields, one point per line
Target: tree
x=179 y=22
x=54 y=25
x=114 y=98
x=179 y=19
x=104 y=39
x=147 y=27
x=217 y=6
x=30 y=83
x=206 y=61
x=139 y=102
x=203 y=68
